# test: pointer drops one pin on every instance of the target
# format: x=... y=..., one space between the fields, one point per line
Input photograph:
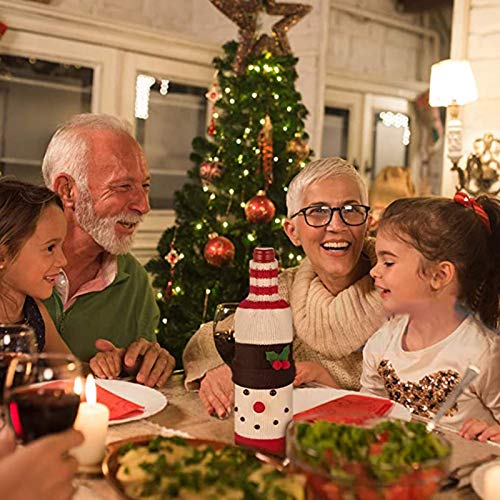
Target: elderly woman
x=333 y=300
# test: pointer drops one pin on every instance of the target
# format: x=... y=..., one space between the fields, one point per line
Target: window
x=391 y=140
x=35 y=96
x=166 y=123
x=335 y=132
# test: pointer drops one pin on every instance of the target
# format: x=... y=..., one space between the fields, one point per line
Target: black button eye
x=246 y=392
x=272 y=392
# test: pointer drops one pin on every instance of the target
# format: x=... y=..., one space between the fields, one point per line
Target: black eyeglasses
x=321 y=215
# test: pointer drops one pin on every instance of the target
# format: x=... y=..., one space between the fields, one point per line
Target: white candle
x=491 y=483
x=92 y=422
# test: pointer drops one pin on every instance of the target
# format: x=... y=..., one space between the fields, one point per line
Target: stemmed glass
x=15 y=339
x=223 y=330
x=42 y=394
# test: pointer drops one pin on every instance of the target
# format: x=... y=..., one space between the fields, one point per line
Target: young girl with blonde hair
x=438 y=273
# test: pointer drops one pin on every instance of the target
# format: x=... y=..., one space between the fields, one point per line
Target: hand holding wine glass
x=41 y=394
x=41 y=469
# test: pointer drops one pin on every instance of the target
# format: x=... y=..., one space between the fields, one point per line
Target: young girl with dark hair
x=32 y=230
x=438 y=273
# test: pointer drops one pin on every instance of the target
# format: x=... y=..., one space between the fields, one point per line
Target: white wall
x=364 y=45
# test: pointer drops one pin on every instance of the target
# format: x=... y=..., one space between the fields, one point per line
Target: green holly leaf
x=284 y=353
x=271 y=356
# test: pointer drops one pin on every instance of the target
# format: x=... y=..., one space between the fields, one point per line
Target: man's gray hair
x=68 y=149
x=318 y=170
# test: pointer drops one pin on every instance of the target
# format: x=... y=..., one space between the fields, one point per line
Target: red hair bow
x=470 y=202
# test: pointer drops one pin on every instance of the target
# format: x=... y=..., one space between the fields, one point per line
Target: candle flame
x=78 y=386
x=90 y=390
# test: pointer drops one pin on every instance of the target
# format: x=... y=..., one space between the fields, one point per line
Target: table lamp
x=452 y=85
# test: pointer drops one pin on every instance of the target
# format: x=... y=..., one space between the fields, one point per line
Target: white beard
x=102 y=229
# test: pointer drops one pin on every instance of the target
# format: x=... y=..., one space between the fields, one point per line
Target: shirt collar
x=105 y=276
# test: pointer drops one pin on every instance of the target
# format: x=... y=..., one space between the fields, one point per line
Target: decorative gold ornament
x=244 y=14
x=265 y=143
x=482 y=172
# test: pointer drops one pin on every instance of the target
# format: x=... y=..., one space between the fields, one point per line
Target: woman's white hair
x=68 y=149
x=318 y=170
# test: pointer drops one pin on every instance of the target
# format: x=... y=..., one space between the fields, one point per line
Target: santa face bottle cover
x=263 y=367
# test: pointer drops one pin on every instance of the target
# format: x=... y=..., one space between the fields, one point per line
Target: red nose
x=259 y=407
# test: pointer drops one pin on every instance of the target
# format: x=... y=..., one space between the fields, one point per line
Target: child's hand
x=108 y=362
x=474 y=428
x=307 y=372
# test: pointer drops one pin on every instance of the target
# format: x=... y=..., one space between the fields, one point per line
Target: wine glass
x=42 y=394
x=15 y=339
x=223 y=325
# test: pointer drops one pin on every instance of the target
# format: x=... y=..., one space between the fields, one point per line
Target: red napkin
x=118 y=407
x=351 y=409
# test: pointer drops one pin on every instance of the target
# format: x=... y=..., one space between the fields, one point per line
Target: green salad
x=387 y=452
x=177 y=468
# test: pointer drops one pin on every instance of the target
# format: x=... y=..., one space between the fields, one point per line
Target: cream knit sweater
x=330 y=330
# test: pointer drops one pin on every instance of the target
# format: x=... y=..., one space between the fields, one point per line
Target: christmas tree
x=235 y=199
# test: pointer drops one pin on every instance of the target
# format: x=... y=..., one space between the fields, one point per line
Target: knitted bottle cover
x=263 y=367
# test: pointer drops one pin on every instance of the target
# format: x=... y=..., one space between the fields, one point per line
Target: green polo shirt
x=123 y=312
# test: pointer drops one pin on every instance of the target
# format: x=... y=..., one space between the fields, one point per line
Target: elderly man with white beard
x=103 y=305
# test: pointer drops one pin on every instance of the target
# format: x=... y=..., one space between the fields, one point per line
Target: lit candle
x=92 y=422
x=491 y=483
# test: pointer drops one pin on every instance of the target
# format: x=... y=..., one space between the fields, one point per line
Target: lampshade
x=452 y=82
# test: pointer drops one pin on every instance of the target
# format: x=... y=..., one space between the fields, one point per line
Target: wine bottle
x=263 y=369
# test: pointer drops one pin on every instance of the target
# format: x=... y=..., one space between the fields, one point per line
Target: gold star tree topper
x=244 y=14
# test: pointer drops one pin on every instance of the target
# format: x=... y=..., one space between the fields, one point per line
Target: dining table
x=185 y=415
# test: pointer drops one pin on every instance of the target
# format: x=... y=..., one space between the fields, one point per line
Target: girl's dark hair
x=444 y=230
x=21 y=205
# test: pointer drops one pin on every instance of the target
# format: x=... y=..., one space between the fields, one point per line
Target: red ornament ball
x=259 y=209
x=219 y=251
x=209 y=171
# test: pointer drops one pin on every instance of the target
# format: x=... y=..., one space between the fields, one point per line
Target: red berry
x=277 y=364
x=285 y=364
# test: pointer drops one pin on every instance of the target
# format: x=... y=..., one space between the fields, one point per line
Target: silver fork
x=462 y=471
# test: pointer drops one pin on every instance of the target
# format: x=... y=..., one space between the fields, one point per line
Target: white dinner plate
x=152 y=400
x=477 y=477
x=309 y=397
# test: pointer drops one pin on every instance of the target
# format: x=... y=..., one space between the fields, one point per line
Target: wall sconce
x=452 y=85
x=482 y=173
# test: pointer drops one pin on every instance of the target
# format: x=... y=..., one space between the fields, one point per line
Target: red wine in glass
x=36 y=412
x=44 y=399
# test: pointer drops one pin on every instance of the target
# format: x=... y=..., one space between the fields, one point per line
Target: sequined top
x=421 y=380
x=33 y=317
